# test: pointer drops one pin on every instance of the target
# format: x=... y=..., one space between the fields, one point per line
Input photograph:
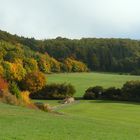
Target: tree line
x=109 y=55
x=130 y=91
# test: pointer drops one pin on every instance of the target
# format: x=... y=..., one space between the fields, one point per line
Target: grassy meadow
x=98 y=120
x=84 y=119
x=82 y=81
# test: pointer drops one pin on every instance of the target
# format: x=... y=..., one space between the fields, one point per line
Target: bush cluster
x=55 y=91
x=8 y=98
x=93 y=92
x=14 y=89
x=129 y=92
x=15 y=92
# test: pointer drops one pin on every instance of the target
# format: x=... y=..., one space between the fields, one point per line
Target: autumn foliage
x=72 y=65
x=3 y=84
x=33 y=81
x=1 y=70
x=13 y=71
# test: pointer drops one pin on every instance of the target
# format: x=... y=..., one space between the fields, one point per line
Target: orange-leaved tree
x=34 y=81
x=3 y=85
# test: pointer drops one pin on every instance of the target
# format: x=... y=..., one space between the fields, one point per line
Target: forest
x=73 y=55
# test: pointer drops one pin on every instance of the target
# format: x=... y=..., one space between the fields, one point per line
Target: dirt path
x=58 y=107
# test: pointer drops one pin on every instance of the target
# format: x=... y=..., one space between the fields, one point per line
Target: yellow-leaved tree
x=13 y=71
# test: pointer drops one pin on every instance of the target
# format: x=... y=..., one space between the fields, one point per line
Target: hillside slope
x=86 y=120
x=116 y=55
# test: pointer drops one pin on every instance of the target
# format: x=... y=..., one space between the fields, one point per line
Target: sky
x=44 y=19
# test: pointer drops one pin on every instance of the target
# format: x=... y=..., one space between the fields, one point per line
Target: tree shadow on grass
x=110 y=101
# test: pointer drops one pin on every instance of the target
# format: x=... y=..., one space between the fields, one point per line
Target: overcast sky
x=71 y=18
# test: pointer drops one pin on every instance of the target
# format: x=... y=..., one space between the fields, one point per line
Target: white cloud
x=74 y=18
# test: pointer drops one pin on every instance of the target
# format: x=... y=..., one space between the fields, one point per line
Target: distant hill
x=111 y=55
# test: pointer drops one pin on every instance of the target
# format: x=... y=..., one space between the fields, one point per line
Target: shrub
x=25 y=97
x=93 y=92
x=112 y=93
x=44 y=107
x=33 y=81
x=55 y=91
x=3 y=84
x=5 y=95
x=14 y=89
x=8 y=98
x=131 y=91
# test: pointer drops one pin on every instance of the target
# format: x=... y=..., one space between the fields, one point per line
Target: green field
x=82 y=81
x=82 y=120
x=98 y=120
